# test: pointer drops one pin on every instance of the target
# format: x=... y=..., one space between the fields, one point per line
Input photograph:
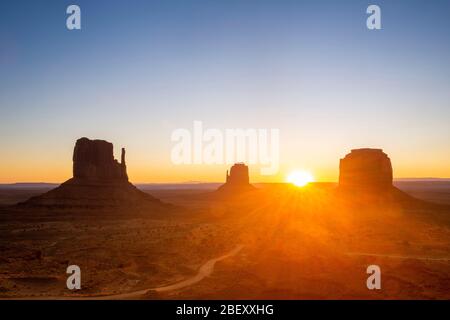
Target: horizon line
x=218 y=182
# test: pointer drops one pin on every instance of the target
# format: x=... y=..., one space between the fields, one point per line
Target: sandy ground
x=296 y=245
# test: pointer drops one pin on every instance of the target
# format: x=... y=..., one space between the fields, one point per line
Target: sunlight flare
x=300 y=178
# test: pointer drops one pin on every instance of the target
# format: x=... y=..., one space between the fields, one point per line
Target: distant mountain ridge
x=28 y=185
x=185 y=185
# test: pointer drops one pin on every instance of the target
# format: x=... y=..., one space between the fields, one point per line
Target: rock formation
x=365 y=169
x=365 y=177
x=94 y=160
x=238 y=175
x=237 y=181
x=99 y=182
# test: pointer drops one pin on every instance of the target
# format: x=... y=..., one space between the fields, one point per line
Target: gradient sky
x=140 y=69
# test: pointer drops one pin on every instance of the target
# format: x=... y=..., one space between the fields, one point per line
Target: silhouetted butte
x=237 y=181
x=99 y=182
x=365 y=169
x=365 y=175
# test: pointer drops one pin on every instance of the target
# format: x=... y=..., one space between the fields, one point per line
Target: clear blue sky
x=139 y=69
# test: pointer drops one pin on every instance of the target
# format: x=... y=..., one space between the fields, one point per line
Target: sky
x=138 y=70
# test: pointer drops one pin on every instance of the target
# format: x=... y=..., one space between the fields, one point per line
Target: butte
x=237 y=182
x=99 y=182
x=366 y=175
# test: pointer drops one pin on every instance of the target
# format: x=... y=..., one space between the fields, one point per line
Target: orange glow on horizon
x=59 y=169
x=300 y=178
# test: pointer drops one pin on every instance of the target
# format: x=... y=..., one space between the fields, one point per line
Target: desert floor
x=279 y=243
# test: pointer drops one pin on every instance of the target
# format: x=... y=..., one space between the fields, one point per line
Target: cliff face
x=94 y=160
x=238 y=175
x=365 y=169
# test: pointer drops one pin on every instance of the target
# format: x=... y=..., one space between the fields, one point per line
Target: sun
x=300 y=178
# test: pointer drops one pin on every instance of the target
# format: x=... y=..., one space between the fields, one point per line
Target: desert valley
x=230 y=241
